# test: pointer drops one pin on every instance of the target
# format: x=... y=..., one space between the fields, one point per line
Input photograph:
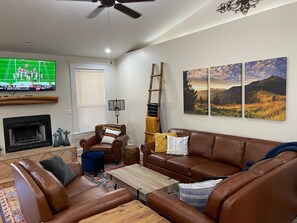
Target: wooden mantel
x=27 y=100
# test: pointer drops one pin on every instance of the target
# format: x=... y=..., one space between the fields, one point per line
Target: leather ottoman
x=92 y=161
x=131 y=155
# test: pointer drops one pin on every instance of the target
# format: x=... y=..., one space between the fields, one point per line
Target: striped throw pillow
x=196 y=194
x=177 y=145
x=110 y=135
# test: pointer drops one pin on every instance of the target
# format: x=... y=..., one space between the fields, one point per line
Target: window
x=88 y=96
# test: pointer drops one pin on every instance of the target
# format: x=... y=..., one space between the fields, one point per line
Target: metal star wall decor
x=238 y=5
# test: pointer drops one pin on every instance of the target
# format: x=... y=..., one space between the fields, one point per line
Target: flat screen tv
x=17 y=74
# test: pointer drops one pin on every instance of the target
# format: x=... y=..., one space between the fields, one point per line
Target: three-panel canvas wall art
x=255 y=89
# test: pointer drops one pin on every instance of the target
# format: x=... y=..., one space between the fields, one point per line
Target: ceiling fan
x=117 y=5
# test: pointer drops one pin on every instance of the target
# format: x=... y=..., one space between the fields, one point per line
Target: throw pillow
x=59 y=168
x=110 y=135
x=161 y=141
x=196 y=194
x=177 y=145
x=112 y=127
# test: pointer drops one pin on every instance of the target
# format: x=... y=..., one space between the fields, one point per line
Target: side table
x=131 y=155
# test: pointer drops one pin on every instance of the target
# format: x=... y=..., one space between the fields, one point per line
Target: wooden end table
x=141 y=181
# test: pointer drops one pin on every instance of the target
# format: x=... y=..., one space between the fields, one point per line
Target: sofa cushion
x=196 y=194
x=180 y=132
x=79 y=185
x=59 y=168
x=256 y=149
x=201 y=143
x=104 y=147
x=213 y=168
x=177 y=145
x=87 y=195
x=229 y=149
x=159 y=159
x=52 y=188
x=183 y=164
x=161 y=141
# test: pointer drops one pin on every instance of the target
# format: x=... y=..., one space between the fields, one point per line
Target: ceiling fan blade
x=128 y=1
x=127 y=11
x=95 y=12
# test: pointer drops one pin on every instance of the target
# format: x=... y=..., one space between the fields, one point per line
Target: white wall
x=61 y=112
x=265 y=35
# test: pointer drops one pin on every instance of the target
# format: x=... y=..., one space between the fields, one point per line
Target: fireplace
x=27 y=132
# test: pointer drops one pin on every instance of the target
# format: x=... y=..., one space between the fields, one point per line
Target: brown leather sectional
x=43 y=198
x=210 y=154
x=266 y=192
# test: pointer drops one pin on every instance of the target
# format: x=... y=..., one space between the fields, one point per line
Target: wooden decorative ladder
x=153 y=109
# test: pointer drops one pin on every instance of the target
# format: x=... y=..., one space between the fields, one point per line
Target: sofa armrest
x=122 y=138
x=86 y=143
x=175 y=210
x=76 y=167
x=147 y=148
x=94 y=206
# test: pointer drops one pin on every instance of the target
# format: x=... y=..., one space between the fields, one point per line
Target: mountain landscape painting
x=265 y=89
x=196 y=91
x=226 y=90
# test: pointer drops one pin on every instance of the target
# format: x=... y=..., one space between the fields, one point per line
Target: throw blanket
x=288 y=146
x=152 y=126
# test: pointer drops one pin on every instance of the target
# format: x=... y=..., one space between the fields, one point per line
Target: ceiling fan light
x=107 y=50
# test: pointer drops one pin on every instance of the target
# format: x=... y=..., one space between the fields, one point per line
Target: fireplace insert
x=27 y=132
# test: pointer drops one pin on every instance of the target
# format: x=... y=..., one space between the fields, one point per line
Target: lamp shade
x=116 y=105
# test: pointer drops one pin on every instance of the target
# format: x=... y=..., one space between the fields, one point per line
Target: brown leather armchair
x=112 y=152
x=43 y=198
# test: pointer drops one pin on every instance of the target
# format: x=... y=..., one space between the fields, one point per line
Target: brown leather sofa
x=210 y=154
x=112 y=152
x=43 y=198
x=266 y=193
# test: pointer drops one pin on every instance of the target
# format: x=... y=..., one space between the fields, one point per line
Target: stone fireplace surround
x=27 y=132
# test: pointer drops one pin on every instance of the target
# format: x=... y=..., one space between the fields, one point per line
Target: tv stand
x=27 y=100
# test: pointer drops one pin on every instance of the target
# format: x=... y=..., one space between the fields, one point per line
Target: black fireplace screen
x=27 y=132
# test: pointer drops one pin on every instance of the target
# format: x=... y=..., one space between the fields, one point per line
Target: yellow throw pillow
x=161 y=141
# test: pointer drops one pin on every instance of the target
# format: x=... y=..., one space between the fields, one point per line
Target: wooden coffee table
x=132 y=212
x=141 y=181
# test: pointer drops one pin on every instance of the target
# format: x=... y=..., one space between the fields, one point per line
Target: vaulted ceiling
x=61 y=27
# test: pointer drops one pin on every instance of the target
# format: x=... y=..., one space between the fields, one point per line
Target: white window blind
x=88 y=98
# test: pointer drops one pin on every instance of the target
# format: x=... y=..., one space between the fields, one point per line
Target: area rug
x=10 y=209
x=102 y=178
x=9 y=204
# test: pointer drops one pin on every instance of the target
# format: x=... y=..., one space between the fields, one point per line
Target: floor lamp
x=116 y=106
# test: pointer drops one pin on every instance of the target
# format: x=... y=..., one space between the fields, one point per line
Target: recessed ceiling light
x=107 y=50
x=27 y=43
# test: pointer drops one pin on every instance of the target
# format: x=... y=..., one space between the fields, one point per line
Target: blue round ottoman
x=92 y=161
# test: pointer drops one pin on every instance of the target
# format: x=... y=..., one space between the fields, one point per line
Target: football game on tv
x=27 y=75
